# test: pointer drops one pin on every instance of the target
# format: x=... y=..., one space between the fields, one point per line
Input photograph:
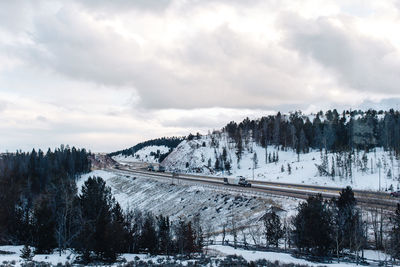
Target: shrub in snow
x=26 y=253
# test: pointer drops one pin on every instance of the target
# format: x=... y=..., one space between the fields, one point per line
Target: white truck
x=240 y=181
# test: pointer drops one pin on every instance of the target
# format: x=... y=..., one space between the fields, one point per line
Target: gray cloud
x=358 y=61
x=126 y=5
x=15 y=15
x=3 y=105
x=217 y=68
x=41 y=118
x=87 y=72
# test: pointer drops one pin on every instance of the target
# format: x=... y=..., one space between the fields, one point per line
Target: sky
x=106 y=75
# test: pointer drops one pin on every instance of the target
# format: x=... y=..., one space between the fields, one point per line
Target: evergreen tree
x=347 y=220
x=164 y=235
x=255 y=160
x=148 y=238
x=395 y=233
x=96 y=205
x=217 y=166
x=44 y=228
x=313 y=226
x=273 y=228
x=185 y=238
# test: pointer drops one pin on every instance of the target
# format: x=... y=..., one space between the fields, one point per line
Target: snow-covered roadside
x=214 y=205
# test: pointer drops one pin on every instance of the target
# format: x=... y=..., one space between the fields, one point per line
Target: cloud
x=124 y=5
x=206 y=118
x=3 y=105
x=218 y=67
x=361 y=62
x=106 y=74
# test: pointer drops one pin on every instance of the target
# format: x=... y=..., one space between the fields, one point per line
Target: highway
x=364 y=198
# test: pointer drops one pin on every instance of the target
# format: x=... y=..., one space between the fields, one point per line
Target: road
x=369 y=199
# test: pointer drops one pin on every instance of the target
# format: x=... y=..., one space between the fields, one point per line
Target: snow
x=198 y=153
x=54 y=258
x=143 y=155
x=250 y=255
x=214 y=204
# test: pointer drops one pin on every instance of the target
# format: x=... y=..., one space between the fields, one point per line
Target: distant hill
x=155 y=150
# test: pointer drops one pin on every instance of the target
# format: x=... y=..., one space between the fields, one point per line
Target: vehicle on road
x=161 y=169
x=240 y=181
x=395 y=194
x=150 y=168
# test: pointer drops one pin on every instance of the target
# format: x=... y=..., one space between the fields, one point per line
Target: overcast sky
x=106 y=75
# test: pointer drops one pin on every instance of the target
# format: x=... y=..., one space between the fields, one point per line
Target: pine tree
x=217 y=165
x=347 y=219
x=255 y=160
x=164 y=235
x=273 y=228
x=44 y=228
x=97 y=206
x=395 y=233
x=148 y=238
x=312 y=226
x=289 y=168
x=227 y=166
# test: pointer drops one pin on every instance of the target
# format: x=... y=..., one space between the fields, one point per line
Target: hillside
x=206 y=155
x=355 y=148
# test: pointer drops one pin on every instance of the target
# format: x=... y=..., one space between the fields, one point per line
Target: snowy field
x=12 y=258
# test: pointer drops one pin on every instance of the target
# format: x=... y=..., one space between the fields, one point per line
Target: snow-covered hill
x=214 y=205
x=149 y=154
x=359 y=169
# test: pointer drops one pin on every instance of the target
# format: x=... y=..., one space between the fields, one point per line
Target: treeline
x=334 y=228
x=330 y=130
x=96 y=227
x=170 y=142
x=29 y=180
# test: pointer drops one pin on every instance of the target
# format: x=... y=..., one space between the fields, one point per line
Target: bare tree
x=234 y=230
x=256 y=232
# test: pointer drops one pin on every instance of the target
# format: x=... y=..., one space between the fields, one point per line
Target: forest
x=330 y=131
x=42 y=208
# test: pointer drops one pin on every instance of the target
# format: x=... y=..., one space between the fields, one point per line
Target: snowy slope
x=143 y=155
x=199 y=156
x=215 y=206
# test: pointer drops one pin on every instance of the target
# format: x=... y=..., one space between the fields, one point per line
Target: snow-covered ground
x=200 y=155
x=143 y=155
x=214 y=205
x=15 y=252
x=14 y=259
x=217 y=208
x=250 y=255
